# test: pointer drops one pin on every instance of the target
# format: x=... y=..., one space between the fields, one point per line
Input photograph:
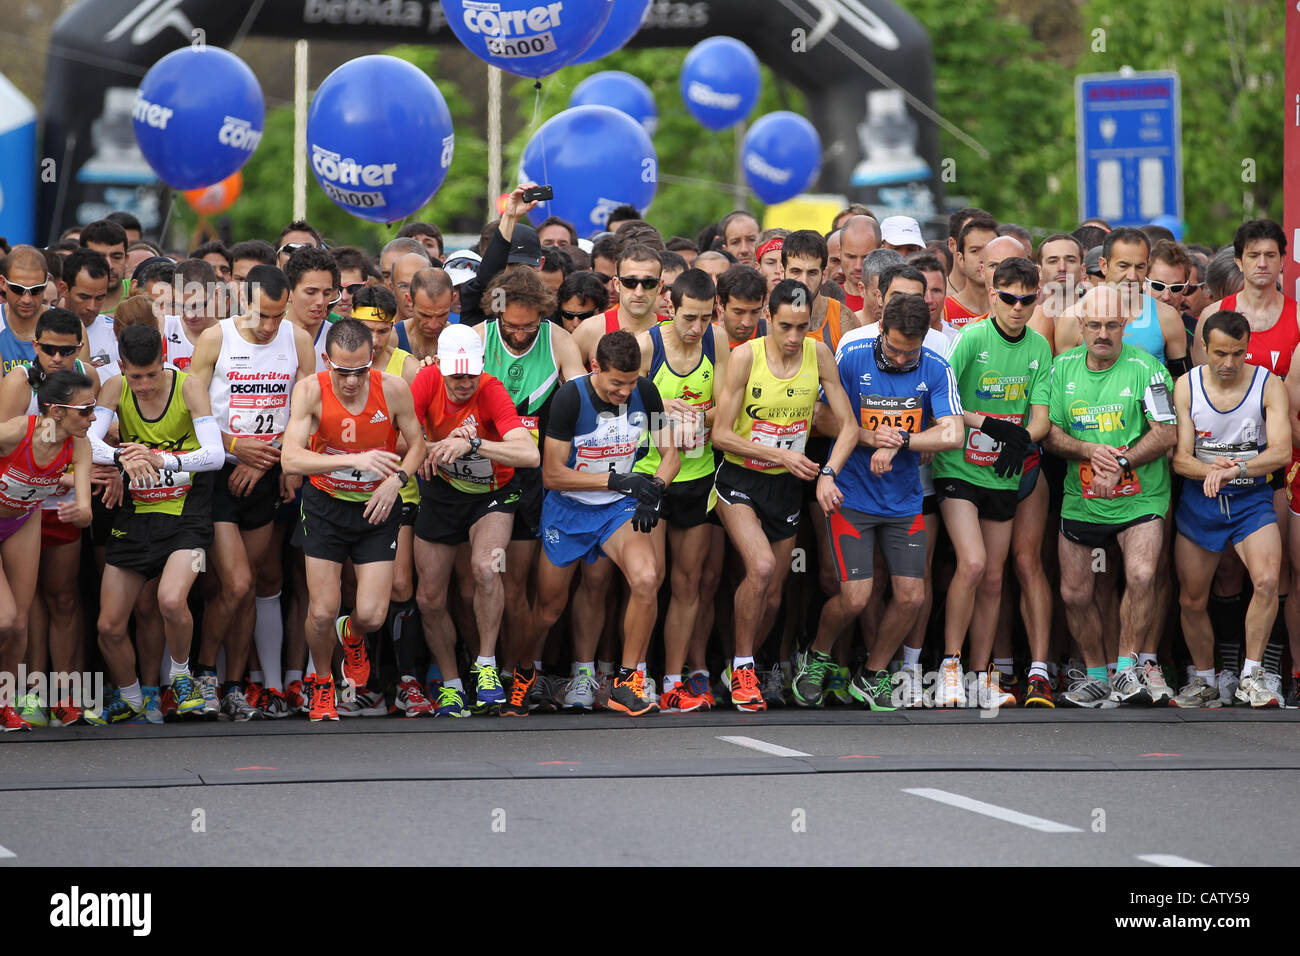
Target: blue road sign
x=1129 y=143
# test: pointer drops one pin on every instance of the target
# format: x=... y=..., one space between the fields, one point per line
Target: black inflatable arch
x=845 y=55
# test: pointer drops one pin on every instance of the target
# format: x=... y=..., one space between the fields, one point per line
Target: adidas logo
x=1126 y=393
x=922 y=387
x=378 y=417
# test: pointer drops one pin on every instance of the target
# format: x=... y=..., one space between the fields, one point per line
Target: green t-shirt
x=173 y=431
x=1113 y=408
x=999 y=378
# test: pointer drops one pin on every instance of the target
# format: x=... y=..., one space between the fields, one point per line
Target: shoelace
x=1076 y=677
x=951 y=676
x=520 y=688
x=746 y=677
x=321 y=695
x=448 y=696
x=413 y=693
x=488 y=678
x=584 y=683
x=183 y=685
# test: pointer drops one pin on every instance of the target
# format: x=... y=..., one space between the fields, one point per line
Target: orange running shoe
x=356 y=662
x=681 y=700
x=745 y=691
x=629 y=696
x=321 y=690
x=517 y=704
x=297 y=697
x=253 y=694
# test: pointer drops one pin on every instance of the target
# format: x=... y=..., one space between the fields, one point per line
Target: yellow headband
x=368 y=313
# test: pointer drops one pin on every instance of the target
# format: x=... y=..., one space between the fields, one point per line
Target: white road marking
x=991 y=810
x=6 y=854
x=1168 y=859
x=776 y=750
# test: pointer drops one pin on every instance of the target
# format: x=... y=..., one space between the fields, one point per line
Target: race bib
x=22 y=493
x=771 y=435
x=533 y=423
x=263 y=417
x=878 y=411
x=1127 y=486
x=169 y=486
x=606 y=458
x=983 y=450
x=471 y=468
x=350 y=479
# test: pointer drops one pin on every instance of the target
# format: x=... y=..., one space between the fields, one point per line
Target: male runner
x=84 y=288
x=1231 y=453
x=249 y=366
x=970 y=302
x=313 y=281
x=803 y=258
x=742 y=299
x=352 y=415
x=739 y=231
x=196 y=311
x=169 y=439
x=109 y=240
x=638 y=278
x=767 y=400
x=858 y=239
x=1060 y=274
x=23 y=280
x=1113 y=420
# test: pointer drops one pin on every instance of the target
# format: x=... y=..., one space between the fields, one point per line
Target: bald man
x=430 y=295
x=858 y=239
x=834 y=265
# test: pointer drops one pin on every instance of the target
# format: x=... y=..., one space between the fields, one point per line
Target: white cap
x=460 y=351
x=901 y=231
x=462 y=266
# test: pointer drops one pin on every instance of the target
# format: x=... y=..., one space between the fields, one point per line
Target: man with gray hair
x=873 y=264
x=393 y=251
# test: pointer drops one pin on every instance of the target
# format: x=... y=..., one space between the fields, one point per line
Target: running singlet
x=172 y=432
x=1273 y=347
x=903 y=399
x=760 y=330
x=829 y=332
x=13 y=351
x=1112 y=408
x=997 y=377
x=101 y=341
x=694 y=388
x=251 y=384
x=531 y=378
x=604 y=438
x=25 y=485
x=776 y=412
x=1145 y=331
x=177 y=347
x=342 y=432
x=410 y=490
x=1238 y=433
x=489 y=412
x=958 y=315
x=60 y=492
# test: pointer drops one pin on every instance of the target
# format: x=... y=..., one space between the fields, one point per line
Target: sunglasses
x=579 y=316
x=1012 y=299
x=520 y=329
x=351 y=372
x=36 y=291
x=292 y=247
x=85 y=411
x=52 y=350
x=354 y=288
x=1177 y=288
x=645 y=282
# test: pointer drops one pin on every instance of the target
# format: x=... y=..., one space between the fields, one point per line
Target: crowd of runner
x=789 y=468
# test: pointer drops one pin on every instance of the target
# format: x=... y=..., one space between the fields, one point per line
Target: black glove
x=999 y=429
x=645 y=517
x=1012 y=457
x=644 y=488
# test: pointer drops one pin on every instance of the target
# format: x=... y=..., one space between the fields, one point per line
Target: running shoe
x=118 y=712
x=517 y=704
x=1039 y=693
x=1293 y=696
x=773 y=682
x=911 y=687
x=1199 y=693
x=650 y=687
x=581 y=691
x=723 y=690
x=1090 y=692
x=699 y=684
x=746 y=695
x=875 y=689
x=321 y=694
x=604 y=688
x=451 y=703
x=837 y=690
x=295 y=695
x=1158 y=688
x=65 y=715
x=488 y=691
x=950 y=691
x=812 y=675
x=273 y=705
x=253 y=694
x=11 y=720
x=411 y=700
x=991 y=695
x=547 y=694
x=167 y=705
x=629 y=696
x=210 y=691
x=30 y=710
x=356 y=662
x=680 y=700
x=1274 y=683
x=235 y=706
x=152 y=705
x=1228 y=684
x=1127 y=687
x=368 y=703
x=1012 y=685
x=186 y=697
x=1254 y=690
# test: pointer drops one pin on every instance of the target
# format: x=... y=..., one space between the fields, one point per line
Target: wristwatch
x=1124 y=463
x=907 y=440
x=473 y=445
x=402 y=476
x=828 y=471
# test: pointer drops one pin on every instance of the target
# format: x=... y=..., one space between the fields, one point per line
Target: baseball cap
x=901 y=231
x=524 y=246
x=462 y=266
x=460 y=351
x=1092 y=262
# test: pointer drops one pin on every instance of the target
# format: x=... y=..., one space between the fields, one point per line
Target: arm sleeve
x=211 y=456
x=650 y=397
x=471 y=293
x=564 y=412
x=100 y=452
x=500 y=409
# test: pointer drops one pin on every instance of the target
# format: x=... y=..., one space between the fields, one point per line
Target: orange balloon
x=217 y=198
x=501 y=203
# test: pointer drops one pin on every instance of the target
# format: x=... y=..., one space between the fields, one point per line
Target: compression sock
x=268 y=637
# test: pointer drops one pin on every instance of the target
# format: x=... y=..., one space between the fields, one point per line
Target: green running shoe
x=813 y=672
x=875 y=690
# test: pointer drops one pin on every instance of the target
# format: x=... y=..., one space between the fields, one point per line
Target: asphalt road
x=1114 y=788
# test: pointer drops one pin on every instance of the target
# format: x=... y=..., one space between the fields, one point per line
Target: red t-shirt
x=1272 y=348
x=490 y=412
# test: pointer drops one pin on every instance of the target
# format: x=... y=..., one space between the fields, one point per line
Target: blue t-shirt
x=910 y=400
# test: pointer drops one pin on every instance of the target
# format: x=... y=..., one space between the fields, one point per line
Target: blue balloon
x=596 y=158
x=379 y=138
x=782 y=155
x=626 y=19
x=532 y=38
x=720 y=82
x=198 y=116
x=623 y=91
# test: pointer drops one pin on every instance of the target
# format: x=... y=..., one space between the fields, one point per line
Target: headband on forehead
x=368 y=313
x=772 y=245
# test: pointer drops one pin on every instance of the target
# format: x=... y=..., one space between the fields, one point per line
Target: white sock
x=537 y=666
x=1207 y=676
x=268 y=637
x=175 y=668
x=671 y=681
x=738 y=662
x=133 y=695
x=311 y=664
x=290 y=677
x=1006 y=666
x=221 y=666
x=1145 y=659
x=482 y=661
x=455 y=685
x=604 y=667
x=695 y=673
x=1038 y=669
x=1249 y=666
x=584 y=667
x=911 y=656
x=642 y=668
